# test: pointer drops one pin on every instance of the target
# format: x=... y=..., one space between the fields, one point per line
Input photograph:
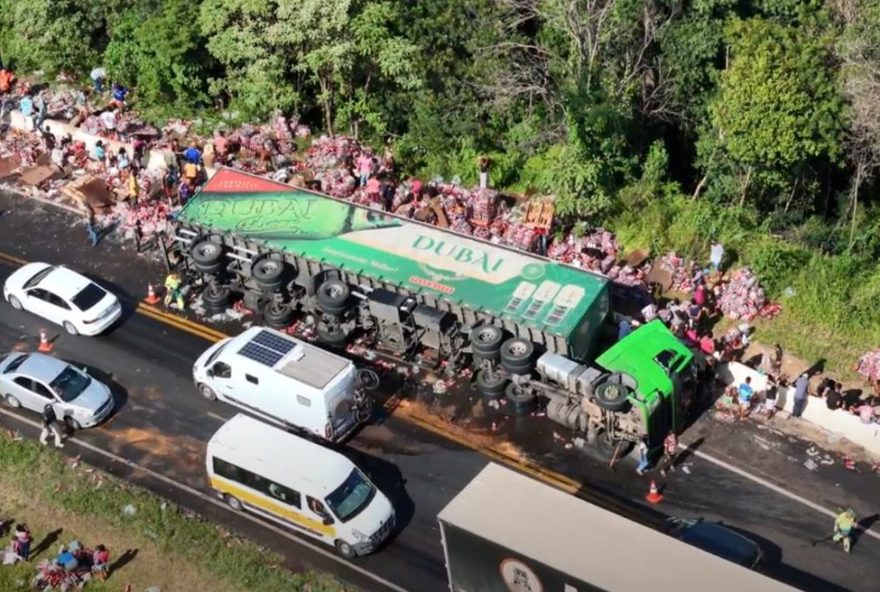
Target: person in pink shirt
x=865 y=411
x=364 y=166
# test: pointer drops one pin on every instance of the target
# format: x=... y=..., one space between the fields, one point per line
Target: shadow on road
x=119 y=393
x=688 y=452
x=773 y=566
x=864 y=524
x=388 y=478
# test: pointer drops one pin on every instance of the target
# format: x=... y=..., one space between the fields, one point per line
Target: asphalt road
x=163 y=425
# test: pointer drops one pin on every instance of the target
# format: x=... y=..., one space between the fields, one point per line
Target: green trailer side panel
x=528 y=290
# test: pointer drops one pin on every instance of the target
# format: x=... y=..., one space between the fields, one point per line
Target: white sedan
x=32 y=381
x=62 y=296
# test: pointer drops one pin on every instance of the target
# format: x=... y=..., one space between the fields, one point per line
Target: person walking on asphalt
x=801 y=391
x=844 y=524
x=670 y=450
x=91 y=228
x=50 y=427
x=644 y=451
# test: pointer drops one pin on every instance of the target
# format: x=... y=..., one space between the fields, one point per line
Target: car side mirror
x=327 y=521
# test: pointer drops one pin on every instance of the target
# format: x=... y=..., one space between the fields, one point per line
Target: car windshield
x=69 y=384
x=37 y=278
x=351 y=497
x=88 y=297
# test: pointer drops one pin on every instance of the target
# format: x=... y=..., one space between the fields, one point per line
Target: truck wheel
x=611 y=396
x=206 y=254
x=267 y=272
x=233 y=502
x=486 y=342
x=216 y=298
x=333 y=337
x=516 y=355
x=606 y=447
x=491 y=388
x=521 y=401
x=345 y=549
x=333 y=297
x=277 y=315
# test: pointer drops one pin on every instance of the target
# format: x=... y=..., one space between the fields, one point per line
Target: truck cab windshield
x=351 y=497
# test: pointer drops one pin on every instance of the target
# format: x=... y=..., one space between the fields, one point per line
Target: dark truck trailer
x=505 y=532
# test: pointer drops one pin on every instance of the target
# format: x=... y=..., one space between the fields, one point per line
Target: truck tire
x=611 y=396
x=490 y=388
x=516 y=355
x=206 y=254
x=606 y=447
x=216 y=298
x=521 y=401
x=486 y=342
x=332 y=337
x=267 y=272
x=333 y=297
x=277 y=315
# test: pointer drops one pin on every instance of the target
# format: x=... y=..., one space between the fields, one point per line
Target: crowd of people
x=69 y=569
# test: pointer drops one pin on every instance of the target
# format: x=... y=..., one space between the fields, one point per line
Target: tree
x=859 y=52
x=259 y=65
x=52 y=35
x=165 y=60
x=778 y=107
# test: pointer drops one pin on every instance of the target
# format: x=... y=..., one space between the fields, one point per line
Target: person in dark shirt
x=850 y=398
x=833 y=396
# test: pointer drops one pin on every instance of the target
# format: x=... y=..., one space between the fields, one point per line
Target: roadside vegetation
x=670 y=123
x=168 y=547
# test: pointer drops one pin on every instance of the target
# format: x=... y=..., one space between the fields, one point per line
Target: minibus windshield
x=351 y=497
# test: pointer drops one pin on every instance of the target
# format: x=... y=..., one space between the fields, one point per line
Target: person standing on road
x=844 y=524
x=670 y=451
x=50 y=427
x=801 y=392
x=644 y=452
x=745 y=392
x=91 y=228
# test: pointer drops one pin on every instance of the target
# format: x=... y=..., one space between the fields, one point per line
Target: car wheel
x=233 y=502
x=13 y=402
x=68 y=326
x=72 y=423
x=207 y=392
x=15 y=302
x=345 y=549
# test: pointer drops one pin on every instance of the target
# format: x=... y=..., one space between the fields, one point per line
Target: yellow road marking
x=424 y=421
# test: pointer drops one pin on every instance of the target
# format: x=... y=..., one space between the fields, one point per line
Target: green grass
x=100 y=498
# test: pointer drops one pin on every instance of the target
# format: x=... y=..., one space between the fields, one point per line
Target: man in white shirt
x=98 y=76
x=108 y=118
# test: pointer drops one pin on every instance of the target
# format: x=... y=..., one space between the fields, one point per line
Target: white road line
x=770 y=486
x=204 y=497
x=217 y=417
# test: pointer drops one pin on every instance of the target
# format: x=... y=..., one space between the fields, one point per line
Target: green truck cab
x=663 y=371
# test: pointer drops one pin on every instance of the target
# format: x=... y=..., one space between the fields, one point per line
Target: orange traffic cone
x=45 y=344
x=151 y=295
x=654 y=496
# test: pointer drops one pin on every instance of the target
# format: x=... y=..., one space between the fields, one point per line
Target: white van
x=299 y=483
x=284 y=380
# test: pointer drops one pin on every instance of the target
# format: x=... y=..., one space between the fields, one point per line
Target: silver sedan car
x=33 y=380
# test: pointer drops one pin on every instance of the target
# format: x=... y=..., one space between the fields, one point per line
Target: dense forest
x=756 y=122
